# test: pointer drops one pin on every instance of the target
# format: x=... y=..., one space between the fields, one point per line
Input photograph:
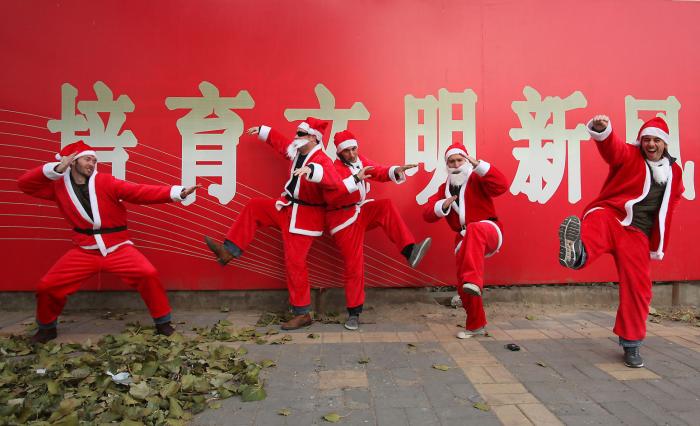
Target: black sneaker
x=166 y=329
x=571 y=251
x=418 y=252
x=632 y=357
x=43 y=335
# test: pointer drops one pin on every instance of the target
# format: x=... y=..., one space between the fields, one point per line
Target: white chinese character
x=210 y=123
x=327 y=111
x=100 y=135
x=668 y=108
x=436 y=130
x=551 y=144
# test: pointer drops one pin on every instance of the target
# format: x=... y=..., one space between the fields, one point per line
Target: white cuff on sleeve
x=264 y=133
x=599 y=136
x=350 y=184
x=437 y=208
x=482 y=168
x=392 y=175
x=175 y=192
x=316 y=173
x=52 y=174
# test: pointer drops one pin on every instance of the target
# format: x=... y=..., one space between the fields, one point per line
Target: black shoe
x=571 y=251
x=418 y=252
x=632 y=357
x=43 y=335
x=166 y=329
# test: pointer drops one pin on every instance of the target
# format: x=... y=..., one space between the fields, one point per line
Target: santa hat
x=654 y=127
x=344 y=140
x=314 y=126
x=81 y=148
x=455 y=148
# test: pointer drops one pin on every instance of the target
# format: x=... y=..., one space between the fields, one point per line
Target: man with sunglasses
x=349 y=216
x=298 y=212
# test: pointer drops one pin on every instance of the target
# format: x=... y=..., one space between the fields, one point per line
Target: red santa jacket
x=628 y=182
x=475 y=202
x=107 y=194
x=312 y=193
x=344 y=209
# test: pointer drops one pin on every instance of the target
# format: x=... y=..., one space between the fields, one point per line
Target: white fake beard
x=293 y=147
x=458 y=176
x=660 y=170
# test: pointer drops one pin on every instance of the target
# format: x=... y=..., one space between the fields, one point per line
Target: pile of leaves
x=689 y=314
x=275 y=318
x=169 y=378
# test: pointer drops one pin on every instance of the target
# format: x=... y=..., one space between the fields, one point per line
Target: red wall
x=381 y=54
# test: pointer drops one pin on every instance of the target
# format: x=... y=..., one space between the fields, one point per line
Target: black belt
x=101 y=230
x=343 y=207
x=302 y=202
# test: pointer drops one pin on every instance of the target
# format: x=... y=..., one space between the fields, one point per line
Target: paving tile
x=339 y=379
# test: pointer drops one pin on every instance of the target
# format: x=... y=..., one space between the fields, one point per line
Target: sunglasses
x=301 y=134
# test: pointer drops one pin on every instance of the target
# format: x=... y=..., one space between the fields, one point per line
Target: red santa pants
x=350 y=241
x=261 y=212
x=480 y=239
x=601 y=233
x=77 y=265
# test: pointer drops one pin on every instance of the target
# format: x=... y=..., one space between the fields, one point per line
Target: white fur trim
x=316 y=173
x=293 y=225
x=392 y=176
x=629 y=205
x=591 y=211
x=437 y=208
x=482 y=168
x=663 y=210
x=50 y=173
x=81 y=154
x=654 y=131
x=175 y=191
x=305 y=127
x=500 y=238
x=350 y=184
x=108 y=250
x=598 y=136
x=264 y=133
x=455 y=151
x=74 y=198
x=96 y=214
x=348 y=222
x=346 y=144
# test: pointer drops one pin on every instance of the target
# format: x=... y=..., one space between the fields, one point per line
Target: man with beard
x=299 y=212
x=465 y=200
x=93 y=204
x=350 y=215
x=630 y=219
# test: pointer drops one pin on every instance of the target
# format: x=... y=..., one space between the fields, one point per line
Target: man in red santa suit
x=465 y=200
x=350 y=215
x=630 y=219
x=93 y=205
x=299 y=212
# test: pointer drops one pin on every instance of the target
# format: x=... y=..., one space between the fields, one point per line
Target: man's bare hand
x=66 y=161
x=253 y=131
x=474 y=162
x=364 y=173
x=306 y=170
x=400 y=172
x=600 y=123
x=187 y=191
x=448 y=202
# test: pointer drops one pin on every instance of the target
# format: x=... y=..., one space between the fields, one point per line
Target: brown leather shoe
x=297 y=322
x=43 y=335
x=222 y=255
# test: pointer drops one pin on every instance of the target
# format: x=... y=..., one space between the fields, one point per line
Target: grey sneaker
x=472 y=289
x=632 y=357
x=353 y=322
x=419 y=250
x=466 y=334
x=571 y=251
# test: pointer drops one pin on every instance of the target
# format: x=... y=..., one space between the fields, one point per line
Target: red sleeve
x=379 y=173
x=38 y=182
x=275 y=139
x=492 y=181
x=433 y=208
x=142 y=194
